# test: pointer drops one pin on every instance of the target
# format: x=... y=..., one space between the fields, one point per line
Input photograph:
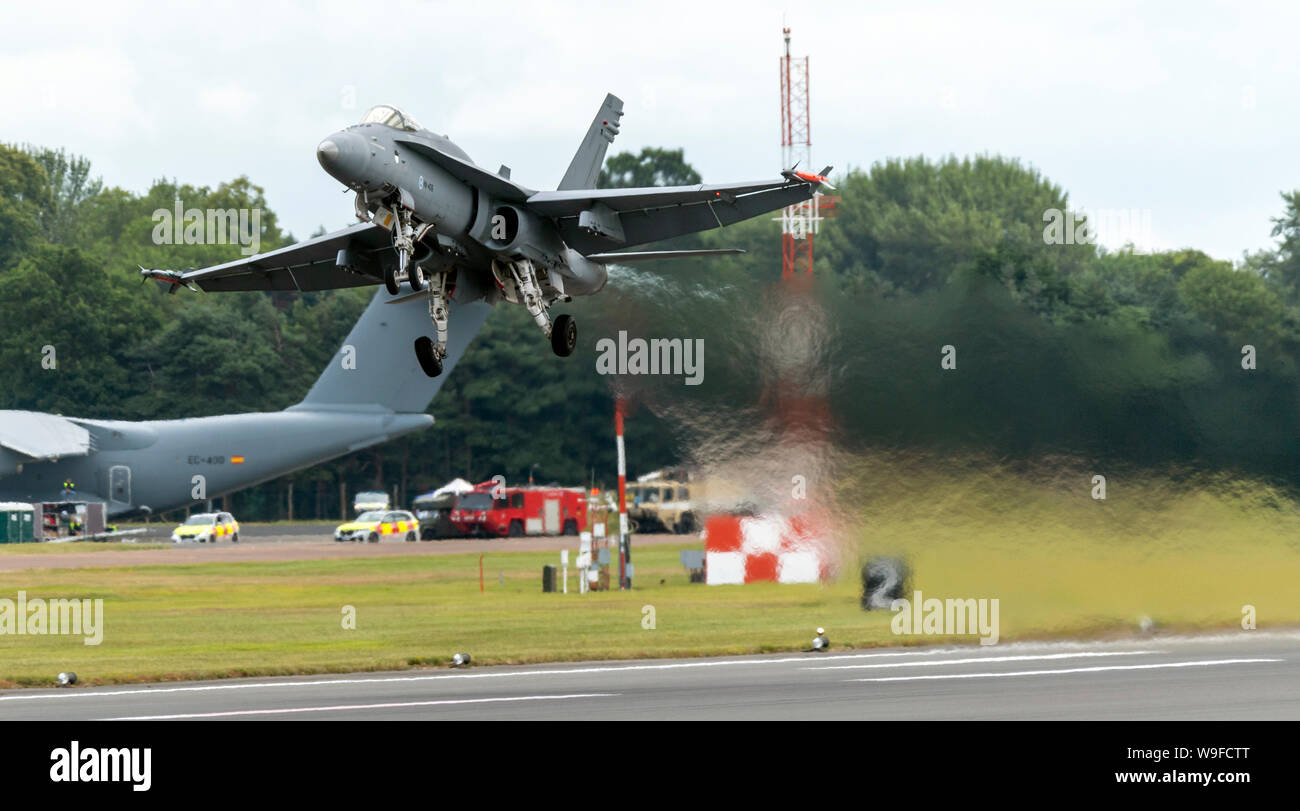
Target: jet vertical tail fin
x=585 y=166
x=376 y=369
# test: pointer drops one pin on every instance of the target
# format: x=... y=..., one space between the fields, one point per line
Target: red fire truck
x=516 y=511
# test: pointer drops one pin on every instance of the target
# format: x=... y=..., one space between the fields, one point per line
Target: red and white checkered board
x=764 y=549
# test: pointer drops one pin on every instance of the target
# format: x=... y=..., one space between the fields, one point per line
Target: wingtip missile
x=170 y=279
x=808 y=177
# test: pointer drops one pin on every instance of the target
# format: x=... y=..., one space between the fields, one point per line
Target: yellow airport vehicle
x=377 y=525
x=207 y=528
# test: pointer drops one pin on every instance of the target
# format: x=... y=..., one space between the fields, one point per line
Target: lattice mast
x=801 y=221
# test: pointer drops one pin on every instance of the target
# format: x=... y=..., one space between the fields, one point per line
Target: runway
x=268 y=544
x=1235 y=676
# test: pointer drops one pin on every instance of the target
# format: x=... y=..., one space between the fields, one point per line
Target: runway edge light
x=820 y=642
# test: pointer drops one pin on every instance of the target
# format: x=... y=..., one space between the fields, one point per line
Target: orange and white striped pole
x=624 y=547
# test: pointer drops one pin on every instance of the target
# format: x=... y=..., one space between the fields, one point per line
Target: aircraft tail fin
x=376 y=369
x=584 y=169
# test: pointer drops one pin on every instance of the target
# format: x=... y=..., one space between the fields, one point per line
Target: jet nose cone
x=327 y=153
x=343 y=156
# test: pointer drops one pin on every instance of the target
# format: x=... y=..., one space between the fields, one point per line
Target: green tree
x=58 y=305
x=908 y=225
x=24 y=195
x=1237 y=303
x=1282 y=266
x=69 y=187
x=654 y=166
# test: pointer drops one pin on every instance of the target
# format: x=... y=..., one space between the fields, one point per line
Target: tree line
x=1059 y=348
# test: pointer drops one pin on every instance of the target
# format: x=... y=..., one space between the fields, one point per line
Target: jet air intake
x=514 y=231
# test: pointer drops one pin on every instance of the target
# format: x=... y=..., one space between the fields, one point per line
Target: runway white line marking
x=994 y=675
x=976 y=659
x=231 y=713
x=948 y=650
x=485 y=675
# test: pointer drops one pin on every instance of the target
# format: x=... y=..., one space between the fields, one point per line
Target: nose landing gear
x=406 y=235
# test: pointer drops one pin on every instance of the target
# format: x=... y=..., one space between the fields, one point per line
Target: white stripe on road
x=341 y=707
x=994 y=675
x=973 y=660
x=97 y=693
x=560 y=671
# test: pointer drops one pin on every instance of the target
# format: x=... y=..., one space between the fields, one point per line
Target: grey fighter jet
x=433 y=220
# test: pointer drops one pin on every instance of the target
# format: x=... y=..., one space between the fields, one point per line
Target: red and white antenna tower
x=801 y=221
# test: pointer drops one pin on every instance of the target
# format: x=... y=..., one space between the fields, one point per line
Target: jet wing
x=655 y=213
x=499 y=187
x=351 y=257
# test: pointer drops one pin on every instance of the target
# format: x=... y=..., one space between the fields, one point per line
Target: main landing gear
x=518 y=282
x=564 y=335
x=427 y=352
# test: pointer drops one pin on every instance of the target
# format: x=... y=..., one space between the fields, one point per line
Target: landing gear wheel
x=416 y=279
x=390 y=281
x=564 y=335
x=427 y=356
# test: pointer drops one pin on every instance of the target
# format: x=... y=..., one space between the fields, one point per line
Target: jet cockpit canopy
x=390 y=117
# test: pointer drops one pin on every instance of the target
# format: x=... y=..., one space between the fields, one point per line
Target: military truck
x=677 y=500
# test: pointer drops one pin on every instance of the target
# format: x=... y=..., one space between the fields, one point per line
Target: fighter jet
x=450 y=230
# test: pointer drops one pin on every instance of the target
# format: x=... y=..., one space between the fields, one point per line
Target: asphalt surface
x=1244 y=675
x=264 y=544
x=158 y=532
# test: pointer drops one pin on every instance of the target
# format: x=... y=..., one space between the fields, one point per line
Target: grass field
x=1060 y=563
x=74 y=546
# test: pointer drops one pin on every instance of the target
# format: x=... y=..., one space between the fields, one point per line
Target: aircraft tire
x=428 y=358
x=416 y=279
x=564 y=335
x=390 y=281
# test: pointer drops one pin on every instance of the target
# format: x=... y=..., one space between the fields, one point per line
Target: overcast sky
x=1186 y=110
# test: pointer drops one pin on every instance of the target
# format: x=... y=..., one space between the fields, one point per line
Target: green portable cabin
x=17 y=522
